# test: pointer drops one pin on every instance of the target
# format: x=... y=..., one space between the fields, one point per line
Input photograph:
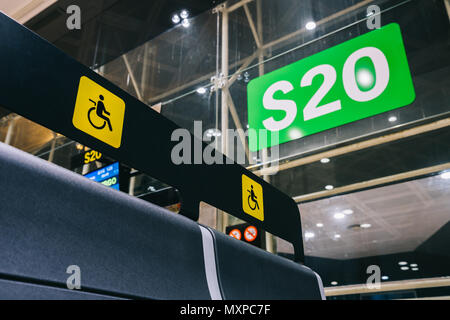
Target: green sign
x=357 y=79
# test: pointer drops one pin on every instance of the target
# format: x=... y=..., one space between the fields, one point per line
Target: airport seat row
x=52 y=218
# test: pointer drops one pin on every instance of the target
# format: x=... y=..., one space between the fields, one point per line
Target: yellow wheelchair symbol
x=252 y=198
x=99 y=112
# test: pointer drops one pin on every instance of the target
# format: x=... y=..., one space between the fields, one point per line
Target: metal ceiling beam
x=389 y=286
x=256 y=36
x=373 y=183
x=238 y=5
x=355 y=147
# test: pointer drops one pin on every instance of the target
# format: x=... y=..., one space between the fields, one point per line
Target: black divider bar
x=41 y=83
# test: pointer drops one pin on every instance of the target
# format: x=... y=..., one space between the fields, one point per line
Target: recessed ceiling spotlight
x=209 y=133
x=404 y=268
x=339 y=215
x=384 y=278
x=185 y=23
x=354 y=227
x=319 y=225
x=445 y=175
x=201 y=90
x=402 y=263
x=365 y=78
x=311 y=25
x=415 y=269
x=324 y=160
x=184 y=14
x=329 y=187
x=347 y=211
x=309 y=235
x=366 y=225
x=176 y=18
x=213 y=133
x=414 y=265
x=392 y=119
x=334 y=283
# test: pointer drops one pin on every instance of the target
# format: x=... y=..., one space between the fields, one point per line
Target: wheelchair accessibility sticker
x=252 y=198
x=99 y=113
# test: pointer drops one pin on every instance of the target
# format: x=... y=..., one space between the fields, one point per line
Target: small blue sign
x=108 y=176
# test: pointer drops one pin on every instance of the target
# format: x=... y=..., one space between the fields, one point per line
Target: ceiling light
x=334 y=283
x=176 y=18
x=415 y=269
x=347 y=211
x=365 y=78
x=294 y=133
x=201 y=90
x=404 y=268
x=319 y=225
x=213 y=132
x=329 y=187
x=445 y=175
x=339 y=215
x=185 y=23
x=402 y=263
x=324 y=160
x=384 y=278
x=392 y=119
x=184 y=14
x=311 y=25
x=354 y=227
x=413 y=265
x=366 y=225
x=337 y=236
x=309 y=235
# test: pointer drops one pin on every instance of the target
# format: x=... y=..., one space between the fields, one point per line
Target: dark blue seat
x=51 y=218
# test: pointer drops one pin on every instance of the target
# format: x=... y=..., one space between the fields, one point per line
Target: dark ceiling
x=110 y=28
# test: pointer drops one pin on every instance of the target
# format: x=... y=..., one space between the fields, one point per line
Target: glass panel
x=171 y=67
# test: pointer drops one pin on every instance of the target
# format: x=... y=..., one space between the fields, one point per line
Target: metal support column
x=132 y=183
x=270 y=240
x=133 y=79
x=51 y=155
x=224 y=95
x=447 y=7
x=10 y=131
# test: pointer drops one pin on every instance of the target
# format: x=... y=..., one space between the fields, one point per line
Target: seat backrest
x=51 y=218
x=247 y=272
